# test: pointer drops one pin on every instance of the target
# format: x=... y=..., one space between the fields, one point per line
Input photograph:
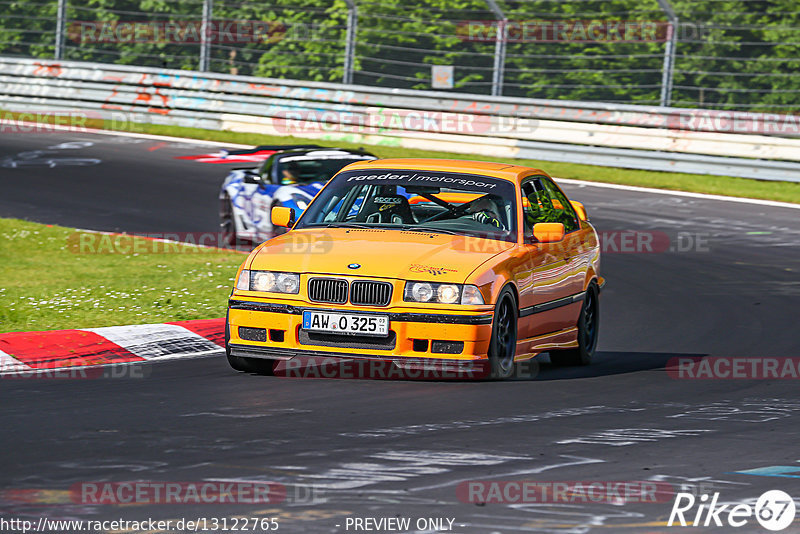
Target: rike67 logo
x=774 y=510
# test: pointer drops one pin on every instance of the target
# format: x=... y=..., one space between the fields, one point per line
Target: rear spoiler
x=267 y=148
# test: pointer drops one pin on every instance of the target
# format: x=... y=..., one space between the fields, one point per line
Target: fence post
x=499 y=48
x=669 y=53
x=61 y=22
x=350 y=41
x=205 y=35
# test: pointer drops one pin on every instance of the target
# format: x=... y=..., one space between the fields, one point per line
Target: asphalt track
x=380 y=448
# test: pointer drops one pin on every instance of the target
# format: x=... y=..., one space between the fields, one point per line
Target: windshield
x=434 y=201
x=305 y=169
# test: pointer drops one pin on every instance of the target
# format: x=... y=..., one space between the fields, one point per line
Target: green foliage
x=27 y=28
x=308 y=41
x=731 y=54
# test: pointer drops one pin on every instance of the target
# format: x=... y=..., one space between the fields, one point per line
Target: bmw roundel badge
x=354 y=266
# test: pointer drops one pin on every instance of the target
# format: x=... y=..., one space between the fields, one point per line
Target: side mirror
x=548 y=232
x=251 y=176
x=282 y=216
x=580 y=210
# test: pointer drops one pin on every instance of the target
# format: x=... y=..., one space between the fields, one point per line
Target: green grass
x=51 y=279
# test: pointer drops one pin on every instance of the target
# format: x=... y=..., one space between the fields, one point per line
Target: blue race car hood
x=310 y=189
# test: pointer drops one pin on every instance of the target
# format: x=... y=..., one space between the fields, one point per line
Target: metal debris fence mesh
x=719 y=54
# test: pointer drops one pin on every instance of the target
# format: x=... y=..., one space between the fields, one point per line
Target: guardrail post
x=499 y=48
x=205 y=35
x=61 y=22
x=350 y=41
x=669 y=53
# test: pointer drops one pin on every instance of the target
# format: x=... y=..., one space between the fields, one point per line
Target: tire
x=588 y=330
x=261 y=366
x=503 y=344
x=238 y=364
x=246 y=365
x=226 y=223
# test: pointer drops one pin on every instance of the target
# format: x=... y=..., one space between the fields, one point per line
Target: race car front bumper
x=269 y=330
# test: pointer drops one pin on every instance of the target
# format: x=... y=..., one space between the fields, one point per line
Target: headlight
x=421 y=292
x=268 y=281
x=300 y=200
x=442 y=293
x=262 y=281
x=448 y=293
x=288 y=283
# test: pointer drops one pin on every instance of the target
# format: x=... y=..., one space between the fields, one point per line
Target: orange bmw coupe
x=419 y=262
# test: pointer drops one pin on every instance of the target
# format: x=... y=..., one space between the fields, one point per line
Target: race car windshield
x=435 y=201
x=306 y=170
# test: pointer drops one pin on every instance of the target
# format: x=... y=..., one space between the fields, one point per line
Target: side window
x=265 y=172
x=543 y=202
x=536 y=205
x=562 y=209
x=352 y=203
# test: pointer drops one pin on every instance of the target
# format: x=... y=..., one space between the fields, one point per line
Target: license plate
x=346 y=323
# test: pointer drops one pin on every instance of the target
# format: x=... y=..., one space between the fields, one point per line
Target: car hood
x=377 y=253
x=310 y=189
x=285 y=193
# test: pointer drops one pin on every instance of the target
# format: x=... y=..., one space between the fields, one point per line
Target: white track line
x=705 y=196
x=169 y=138
x=71 y=129
x=769 y=203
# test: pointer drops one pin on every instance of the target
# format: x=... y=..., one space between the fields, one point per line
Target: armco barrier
x=668 y=139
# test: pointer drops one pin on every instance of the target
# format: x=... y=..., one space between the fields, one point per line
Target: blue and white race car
x=289 y=178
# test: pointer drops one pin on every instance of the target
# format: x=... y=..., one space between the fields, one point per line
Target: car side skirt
x=552 y=304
